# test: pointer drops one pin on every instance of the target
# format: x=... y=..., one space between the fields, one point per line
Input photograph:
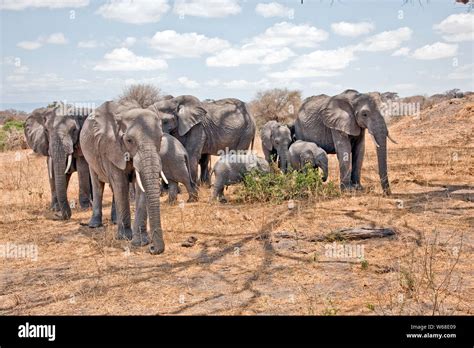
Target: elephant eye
x=129 y=140
x=365 y=114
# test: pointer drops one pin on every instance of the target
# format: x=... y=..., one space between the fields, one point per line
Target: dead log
x=355 y=233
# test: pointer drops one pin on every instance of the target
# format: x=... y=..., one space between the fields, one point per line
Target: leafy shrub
x=277 y=187
x=14 y=124
x=11 y=136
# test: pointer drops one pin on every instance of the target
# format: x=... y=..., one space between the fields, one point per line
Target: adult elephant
x=276 y=140
x=122 y=144
x=337 y=124
x=54 y=133
x=206 y=128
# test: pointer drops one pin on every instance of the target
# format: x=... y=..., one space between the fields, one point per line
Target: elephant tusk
x=69 y=162
x=375 y=141
x=278 y=158
x=393 y=141
x=164 y=177
x=50 y=167
x=139 y=181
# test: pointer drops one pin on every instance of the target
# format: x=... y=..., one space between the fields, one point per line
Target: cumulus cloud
x=88 y=44
x=187 y=83
x=207 y=8
x=273 y=9
x=134 y=12
x=352 y=29
x=319 y=63
x=249 y=54
x=186 y=44
x=402 y=51
x=54 y=39
x=122 y=59
x=437 y=50
x=386 y=40
x=288 y=34
x=18 y=5
x=464 y=72
x=457 y=27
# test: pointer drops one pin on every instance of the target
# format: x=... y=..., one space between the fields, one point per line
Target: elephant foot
x=357 y=187
x=140 y=239
x=85 y=204
x=54 y=206
x=95 y=222
x=125 y=233
x=193 y=198
x=222 y=200
x=113 y=216
x=172 y=201
x=158 y=245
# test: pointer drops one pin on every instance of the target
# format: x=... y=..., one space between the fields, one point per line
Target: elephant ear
x=106 y=133
x=190 y=112
x=266 y=135
x=36 y=132
x=339 y=114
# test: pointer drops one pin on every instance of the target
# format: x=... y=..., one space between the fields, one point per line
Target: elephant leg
x=173 y=192
x=140 y=236
x=343 y=151
x=204 y=163
x=218 y=191
x=113 y=212
x=97 y=191
x=84 y=182
x=358 y=150
x=54 y=198
x=193 y=194
x=267 y=154
x=120 y=187
x=132 y=192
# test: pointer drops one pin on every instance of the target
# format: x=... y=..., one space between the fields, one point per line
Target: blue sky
x=87 y=50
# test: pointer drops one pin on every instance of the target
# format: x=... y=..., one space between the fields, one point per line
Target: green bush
x=277 y=187
x=14 y=124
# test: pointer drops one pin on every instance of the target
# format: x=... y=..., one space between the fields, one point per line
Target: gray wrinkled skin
x=276 y=140
x=303 y=152
x=337 y=125
x=231 y=169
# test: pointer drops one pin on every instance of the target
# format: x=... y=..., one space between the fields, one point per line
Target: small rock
x=190 y=242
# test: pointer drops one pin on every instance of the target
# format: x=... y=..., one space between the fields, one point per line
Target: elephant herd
x=129 y=146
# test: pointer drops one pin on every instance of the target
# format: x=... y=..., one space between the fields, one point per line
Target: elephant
x=175 y=161
x=231 y=169
x=303 y=152
x=206 y=128
x=337 y=124
x=122 y=144
x=276 y=140
x=55 y=134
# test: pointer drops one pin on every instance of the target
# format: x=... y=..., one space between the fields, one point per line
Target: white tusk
x=69 y=162
x=278 y=158
x=393 y=141
x=50 y=167
x=164 y=177
x=375 y=141
x=139 y=181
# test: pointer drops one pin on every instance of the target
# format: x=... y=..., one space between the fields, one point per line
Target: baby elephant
x=175 y=162
x=231 y=169
x=302 y=152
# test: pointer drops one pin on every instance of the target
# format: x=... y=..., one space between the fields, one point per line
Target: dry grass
x=242 y=263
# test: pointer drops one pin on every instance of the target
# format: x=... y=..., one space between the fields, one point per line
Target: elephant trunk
x=149 y=172
x=61 y=158
x=382 y=162
x=283 y=155
x=323 y=164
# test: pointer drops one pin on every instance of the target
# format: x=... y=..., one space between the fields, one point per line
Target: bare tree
x=276 y=104
x=144 y=94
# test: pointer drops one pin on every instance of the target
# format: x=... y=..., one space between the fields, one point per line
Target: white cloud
x=129 y=41
x=352 y=29
x=122 y=59
x=186 y=44
x=325 y=84
x=54 y=39
x=288 y=34
x=244 y=84
x=187 y=83
x=18 y=5
x=206 y=8
x=88 y=44
x=403 y=86
x=437 y=50
x=457 y=27
x=386 y=40
x=464 y=72
x=402 y=51
x=134 y=12
x=318 y=63
x=213 y=83
x=273 y=9
x=249 y=54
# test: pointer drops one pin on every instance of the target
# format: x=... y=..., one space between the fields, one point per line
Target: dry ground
x=259 y=258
